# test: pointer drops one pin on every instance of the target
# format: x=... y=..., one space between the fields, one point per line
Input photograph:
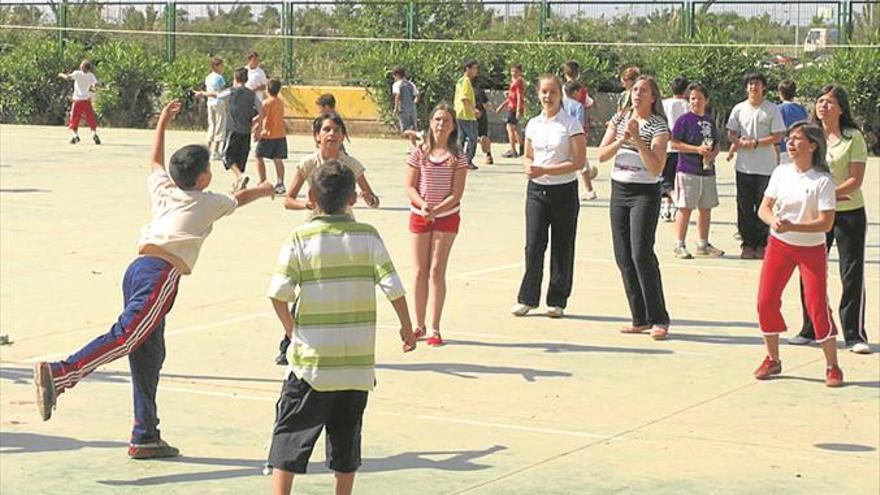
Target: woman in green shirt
x=847 y=156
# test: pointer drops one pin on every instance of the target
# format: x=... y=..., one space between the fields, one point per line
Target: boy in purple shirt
x=695 y=138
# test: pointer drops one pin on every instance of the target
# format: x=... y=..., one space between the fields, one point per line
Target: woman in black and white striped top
x=636 y=139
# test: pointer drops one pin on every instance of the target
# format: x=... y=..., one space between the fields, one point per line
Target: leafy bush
x=30 y=92
x=436 y=68
x=720 y=69
x=856 y=70
x=132 y=81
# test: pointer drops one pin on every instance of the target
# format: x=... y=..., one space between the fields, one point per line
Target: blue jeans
x=467 y=138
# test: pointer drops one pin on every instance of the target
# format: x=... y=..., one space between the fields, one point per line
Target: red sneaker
x=833 y=377
x=768 y=368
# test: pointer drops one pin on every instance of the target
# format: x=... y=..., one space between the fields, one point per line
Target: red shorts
x=449 y=223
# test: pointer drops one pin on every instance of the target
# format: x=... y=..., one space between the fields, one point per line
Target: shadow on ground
x=454 y=460
x=558 y=347
x=19 y=443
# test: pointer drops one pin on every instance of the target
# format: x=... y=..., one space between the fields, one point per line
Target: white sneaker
x=521 y=309
x=799 y=340
x=681 y=253
x=860 y=348
x=215 y=156
x=555 y=312
x=589 y=196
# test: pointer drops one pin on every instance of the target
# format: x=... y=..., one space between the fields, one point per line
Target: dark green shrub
x=30 y=91
x=132 y=81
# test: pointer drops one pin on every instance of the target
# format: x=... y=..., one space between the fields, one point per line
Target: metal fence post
x=410 y=20
x=544 y=13
x=170 y=28
x=61 y=20
x=287 y=29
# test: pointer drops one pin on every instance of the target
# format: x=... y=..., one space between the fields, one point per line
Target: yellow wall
x=352 y=103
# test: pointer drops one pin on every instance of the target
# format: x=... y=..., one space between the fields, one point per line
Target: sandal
x=420 y=332
x=659 y=332
x=635 y=328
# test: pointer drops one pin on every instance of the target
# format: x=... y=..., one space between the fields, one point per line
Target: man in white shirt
x=84 y=81
x=755 y=127
x=257 y=79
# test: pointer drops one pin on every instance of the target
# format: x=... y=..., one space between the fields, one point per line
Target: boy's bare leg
x=261 y=169
x=588 y=183
x=704 y=216
x=682 y=218
x=512 y=137
x=486 y=145
x=279 y=170
x=344 y=483
x=282 y=481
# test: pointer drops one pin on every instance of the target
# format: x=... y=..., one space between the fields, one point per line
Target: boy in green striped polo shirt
x=336 y=263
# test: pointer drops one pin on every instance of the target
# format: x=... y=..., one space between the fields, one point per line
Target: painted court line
x=469 y=422
x=220 y=323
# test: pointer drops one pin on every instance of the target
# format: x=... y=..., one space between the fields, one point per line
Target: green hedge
x=136 y=79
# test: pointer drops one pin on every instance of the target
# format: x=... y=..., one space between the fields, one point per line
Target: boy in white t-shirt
x=754 y=128
x=799 y=206
x=84 y=82
x=183 y=214
x=257 y=79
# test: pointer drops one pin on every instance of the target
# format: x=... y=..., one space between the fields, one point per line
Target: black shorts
x=667 y=183
x=236 y=150
x=272 y=148
x=483 y=125
x=302 y=413
x=511 y=118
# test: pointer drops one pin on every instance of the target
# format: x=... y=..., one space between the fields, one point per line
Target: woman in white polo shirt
x=798 y=206
x=636 y=139
x=555 y=151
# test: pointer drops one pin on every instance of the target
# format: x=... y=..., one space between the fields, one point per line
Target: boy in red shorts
x=84 y=81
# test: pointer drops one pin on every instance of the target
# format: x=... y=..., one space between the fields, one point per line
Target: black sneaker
x=96 y=139
x=45 y=385
x=471 y=166
x=74 y=140
x=155 y=450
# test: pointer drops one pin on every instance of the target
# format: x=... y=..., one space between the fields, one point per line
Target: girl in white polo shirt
x=555 y=151
x=636 y=139
x=799 y=207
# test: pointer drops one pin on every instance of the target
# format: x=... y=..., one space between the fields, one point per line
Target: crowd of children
x=795 y=198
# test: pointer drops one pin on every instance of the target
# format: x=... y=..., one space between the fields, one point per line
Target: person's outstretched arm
x=157 y=157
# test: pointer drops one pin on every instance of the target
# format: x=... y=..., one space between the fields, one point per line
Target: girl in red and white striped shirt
x=435 y=183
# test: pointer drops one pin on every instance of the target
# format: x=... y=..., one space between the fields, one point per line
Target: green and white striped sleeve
x=286 y=276
x=384 y=273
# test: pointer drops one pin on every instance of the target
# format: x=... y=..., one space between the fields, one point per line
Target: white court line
x=196 y=328
x=485 y=270
x=507 y=338
x=505 y=426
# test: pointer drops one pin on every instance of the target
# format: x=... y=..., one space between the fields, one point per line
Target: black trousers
x=634 y=210
x=850 y=229
x=749 y=194
x=555 y=208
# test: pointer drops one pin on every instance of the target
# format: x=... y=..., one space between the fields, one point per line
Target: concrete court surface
x=509 y=406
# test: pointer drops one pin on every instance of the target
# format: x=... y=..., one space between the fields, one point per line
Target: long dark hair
x=847 y=122
x=816 y=135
